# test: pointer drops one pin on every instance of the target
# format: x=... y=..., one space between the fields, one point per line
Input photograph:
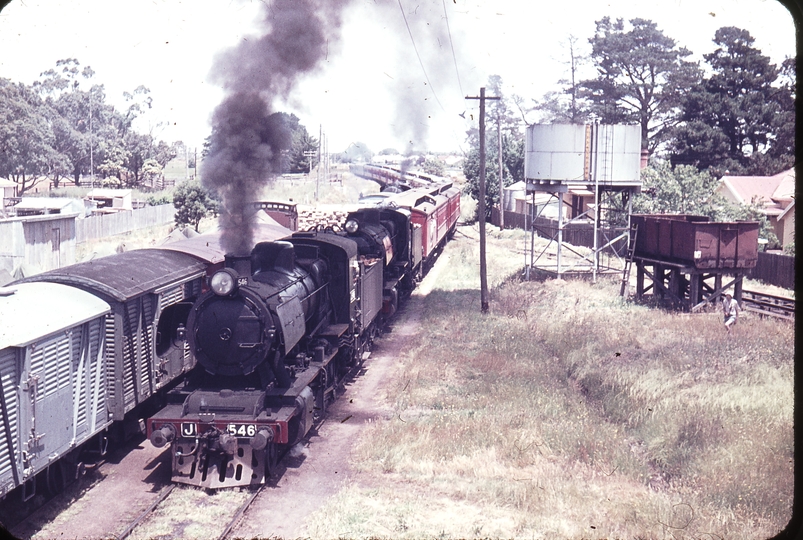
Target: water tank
x=557 y=155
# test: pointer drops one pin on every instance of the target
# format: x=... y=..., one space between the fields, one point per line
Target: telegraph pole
x=501 y=179
x=481 y=211
x=318 y=177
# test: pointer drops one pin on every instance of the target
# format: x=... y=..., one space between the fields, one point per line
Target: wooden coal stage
x=691 y=261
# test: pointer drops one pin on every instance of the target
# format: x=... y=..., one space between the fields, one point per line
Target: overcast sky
x=372 y=87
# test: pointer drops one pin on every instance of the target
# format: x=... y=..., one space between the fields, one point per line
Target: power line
x=451 y=44
x=419 y=57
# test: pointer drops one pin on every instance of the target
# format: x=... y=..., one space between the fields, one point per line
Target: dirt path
x=324 y=467
x=130 y=480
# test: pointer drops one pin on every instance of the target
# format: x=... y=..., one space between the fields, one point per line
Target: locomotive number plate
x=242 y=430
x=242 y=282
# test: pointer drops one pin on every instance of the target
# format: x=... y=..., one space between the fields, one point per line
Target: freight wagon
x=697 y=241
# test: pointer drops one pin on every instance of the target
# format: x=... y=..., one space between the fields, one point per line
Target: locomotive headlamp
x=223 y=283
x=352 y=226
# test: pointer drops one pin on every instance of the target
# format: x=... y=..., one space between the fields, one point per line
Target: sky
x=395 y=73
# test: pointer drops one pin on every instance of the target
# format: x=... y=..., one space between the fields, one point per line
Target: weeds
x=567 y=407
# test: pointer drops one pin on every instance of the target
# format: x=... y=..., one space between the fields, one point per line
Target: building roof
x=789 y=208
x=746 y=189
x=46 y=203
x=786 y=189
x=108 y=193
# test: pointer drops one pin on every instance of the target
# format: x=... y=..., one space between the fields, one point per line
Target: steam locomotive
x=279 y=330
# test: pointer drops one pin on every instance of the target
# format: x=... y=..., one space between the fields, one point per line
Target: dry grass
x=191 y=513
x=568 y=412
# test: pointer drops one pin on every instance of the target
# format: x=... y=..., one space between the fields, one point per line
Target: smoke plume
x=247 y=139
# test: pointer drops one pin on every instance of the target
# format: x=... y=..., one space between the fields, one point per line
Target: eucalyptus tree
x=80 y=117
x=26 y=136
x=566 y=105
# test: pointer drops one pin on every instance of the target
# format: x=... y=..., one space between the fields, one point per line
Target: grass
x=568 y=412
x=191 y=512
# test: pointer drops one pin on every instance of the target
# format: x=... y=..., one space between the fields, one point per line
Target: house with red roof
x=774 y=194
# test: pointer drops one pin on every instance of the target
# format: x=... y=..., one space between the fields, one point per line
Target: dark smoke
x=247 y=139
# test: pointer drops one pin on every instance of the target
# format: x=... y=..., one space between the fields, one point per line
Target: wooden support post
x=737 y=288
x=674 y=285
x=639 y=279
x=695 y=289
x=658 y=285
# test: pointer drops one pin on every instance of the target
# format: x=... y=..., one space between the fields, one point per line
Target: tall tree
x=81 y=116
x=641 y=76
x=741 y=118
x=26 y=137
x=567 y=105
x=303 y=143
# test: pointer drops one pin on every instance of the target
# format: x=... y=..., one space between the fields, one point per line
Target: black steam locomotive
x=273 y=338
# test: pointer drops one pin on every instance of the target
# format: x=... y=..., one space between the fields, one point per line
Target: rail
x=240 y=512
x=133 y=525
x=768 y=304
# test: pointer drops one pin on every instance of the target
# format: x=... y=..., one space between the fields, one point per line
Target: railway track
x=768 y=304
x=166 y=492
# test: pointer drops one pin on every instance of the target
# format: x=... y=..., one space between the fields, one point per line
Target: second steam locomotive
x=276 y=334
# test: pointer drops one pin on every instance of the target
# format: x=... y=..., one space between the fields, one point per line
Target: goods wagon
x=697 y=241
x=146 y=290
x=51 y=377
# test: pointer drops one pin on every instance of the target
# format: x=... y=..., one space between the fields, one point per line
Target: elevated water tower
x=597 y=168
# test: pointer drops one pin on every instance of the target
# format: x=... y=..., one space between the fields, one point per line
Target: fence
x=576 y=234
x=122 y=222
x=775 y=269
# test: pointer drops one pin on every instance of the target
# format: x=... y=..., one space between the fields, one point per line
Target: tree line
x=732 y=114
x=62 y=128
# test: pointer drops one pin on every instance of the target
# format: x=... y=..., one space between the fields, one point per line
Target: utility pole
x=91 y=143
x=501 y=179
x=318 y=176
x=484 y=305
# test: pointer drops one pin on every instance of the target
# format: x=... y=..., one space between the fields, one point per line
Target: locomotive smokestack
x=239 y=263
x=248 y=137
